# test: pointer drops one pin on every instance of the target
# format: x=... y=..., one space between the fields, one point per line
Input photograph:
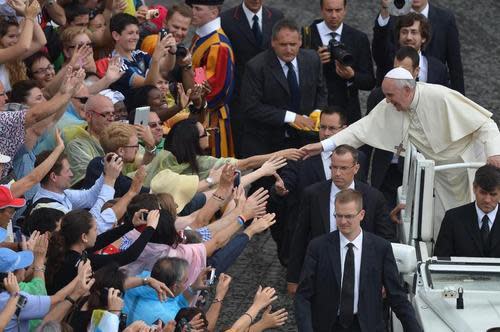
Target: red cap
x=163 y=12
x=6 y=199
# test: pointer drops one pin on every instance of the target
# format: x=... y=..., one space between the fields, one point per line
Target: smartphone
x=142 y=116
x=84 y=257
x=200 y=75
x=211 y=278
x=163 y=33
x=144 y=215
x=237 y=179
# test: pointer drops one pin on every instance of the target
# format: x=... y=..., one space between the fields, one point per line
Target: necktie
x=347 y=292
x=485 y=234
x=256 y=30
x=293 y=85
x=334 y=35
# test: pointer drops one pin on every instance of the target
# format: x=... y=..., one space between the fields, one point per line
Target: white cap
x=399 y=73
x=115 y=96
x=4 y=159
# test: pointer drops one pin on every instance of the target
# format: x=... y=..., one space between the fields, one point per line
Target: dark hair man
x=473 y=230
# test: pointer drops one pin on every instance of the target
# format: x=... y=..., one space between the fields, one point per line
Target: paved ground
x=478 y=27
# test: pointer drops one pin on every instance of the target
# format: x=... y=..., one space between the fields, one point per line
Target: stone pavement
x=478 y=27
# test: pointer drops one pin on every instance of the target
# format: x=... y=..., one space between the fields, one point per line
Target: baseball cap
x=6 y=199
x=11 y=260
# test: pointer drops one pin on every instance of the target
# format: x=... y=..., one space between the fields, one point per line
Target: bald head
x=100 y=113
x=96 y=102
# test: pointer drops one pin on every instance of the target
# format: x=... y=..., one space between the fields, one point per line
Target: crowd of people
x=136 y=166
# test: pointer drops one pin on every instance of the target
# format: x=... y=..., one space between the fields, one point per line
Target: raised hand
x=153 y=218
x=112 y=166
x=10 y=283
x=114 y=72
x=291 y=154
x=18 y=5
x=115 y=302
x=255 y=205
x=144 y=133
x=138 y=180
x=261 y=224
x=183 y=97
x=58 y=139
x=33 y=10
x=279 y=185
x=222 y=286
x=275 y=319
x=264 y=297
x=273 y=164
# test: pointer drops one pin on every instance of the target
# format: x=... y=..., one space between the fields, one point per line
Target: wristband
x=153 y=150
x=218 y=198
x=216 y=300
x=39 y=268
x=70 y=300
x=250 y=316
x=241 y=220
x=145 y=281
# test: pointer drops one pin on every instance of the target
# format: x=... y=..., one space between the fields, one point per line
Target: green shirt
x=35 y=287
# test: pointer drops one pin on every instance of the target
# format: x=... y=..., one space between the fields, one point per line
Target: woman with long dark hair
x=185 y=148
x=78 y=240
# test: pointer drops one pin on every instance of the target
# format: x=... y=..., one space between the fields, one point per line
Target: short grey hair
x=406 y=83
x=169 y=270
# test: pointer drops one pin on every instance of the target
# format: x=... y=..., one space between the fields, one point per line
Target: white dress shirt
x=326 y=158
x=333 y=192
x=325 y=32
x=424 y=68
x=250 y=14
x=480 y=214
x=357 y=248
x=290 y=116
x=208 y=28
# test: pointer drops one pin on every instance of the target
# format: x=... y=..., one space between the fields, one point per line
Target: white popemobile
x=459 y=294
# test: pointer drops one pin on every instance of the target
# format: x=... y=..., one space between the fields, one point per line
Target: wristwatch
x=210 y=182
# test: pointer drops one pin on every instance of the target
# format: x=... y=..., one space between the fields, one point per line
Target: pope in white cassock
x=443 y=124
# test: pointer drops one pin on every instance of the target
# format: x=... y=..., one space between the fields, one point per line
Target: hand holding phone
x=237 y=179
x=200 y=75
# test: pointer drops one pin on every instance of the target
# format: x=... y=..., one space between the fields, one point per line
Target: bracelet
x=39 y=269
x=153 y=150
x=251 y=318
x=70 y=300
x=145 y=281
x=16 y=294
x=218 y=198
x=30 y=19
x=241 y=220
x=216 y=300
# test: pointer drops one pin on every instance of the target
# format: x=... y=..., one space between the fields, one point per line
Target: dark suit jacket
x=265 y=97
x=318 y=295
x=459 y=234
x=245 y=47
x=444 y=45
x=314 y=220
x=339 y=93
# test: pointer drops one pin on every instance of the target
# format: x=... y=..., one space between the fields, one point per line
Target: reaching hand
x=72 y=81
x=215 y=173
x=279 y=185
x=10 y=283
x=312 y=149
x=291 y=154
x=115 y=302
x=161 y=289
x=261 y=224
x=112 y=166
x=494 y=160
x=58 y=138
x=119 y=6
x=144 y=133
x=226 y=175
x=153 y=218
x=201 y=282
x=33 y=10
x=275 y=319
x=18 y=5
x=222 y=286
x=183 y=97
x=304 y=122
x=41 y=245
x=81 y=53
x=273 y=164
x=138 y=180
x=255 y=205
x=264 y=297
x=114 y=72
x=394 y=215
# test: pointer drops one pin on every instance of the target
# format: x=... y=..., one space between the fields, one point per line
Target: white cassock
x=443 y=124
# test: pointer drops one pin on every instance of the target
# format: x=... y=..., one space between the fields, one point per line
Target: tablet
x=142 y=116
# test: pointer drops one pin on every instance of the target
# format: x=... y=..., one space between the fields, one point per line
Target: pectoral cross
x=399 y=148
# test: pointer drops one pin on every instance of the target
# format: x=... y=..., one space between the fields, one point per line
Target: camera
x=339 y=52
x=152 y=13
x=182 y=51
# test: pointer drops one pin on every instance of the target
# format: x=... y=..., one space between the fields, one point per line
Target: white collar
x=325 y=155
x=336 y=190
x=492 y=215
x=358 y=241
x=294 y=63
x=324 y=30
x=208 y=28
x=424 y=11
x=249 y=14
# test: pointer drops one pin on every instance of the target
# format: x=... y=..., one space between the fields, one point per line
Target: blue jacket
x=142 y=303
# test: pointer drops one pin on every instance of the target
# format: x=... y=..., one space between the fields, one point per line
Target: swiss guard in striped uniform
x=212 y=51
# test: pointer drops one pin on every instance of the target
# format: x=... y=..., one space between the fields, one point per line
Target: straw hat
x=181 y=187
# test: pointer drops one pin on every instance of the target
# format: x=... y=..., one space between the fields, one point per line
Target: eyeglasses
x=132 y=146
x=80 y=45
x=154 y=125
x=82 y=100
x=109 y=115
x=341 y=168
x=347 y=217
x=43 y=71
x=3 y=94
